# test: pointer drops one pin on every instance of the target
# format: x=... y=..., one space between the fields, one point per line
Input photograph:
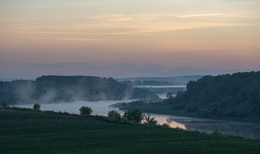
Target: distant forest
x=235 y=96
x=151 y=82
x=178 y=80
x=48 y=89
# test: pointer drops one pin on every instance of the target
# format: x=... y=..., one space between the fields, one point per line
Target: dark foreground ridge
x=30 y=131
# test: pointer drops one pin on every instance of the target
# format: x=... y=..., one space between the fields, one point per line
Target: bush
x=150 y=120
x=4 y=105
x=114 y=115
x=166 y=125
x=85 y=110
x=169 y=95
x=216 y=132
x=133 y=115
x=36 y=106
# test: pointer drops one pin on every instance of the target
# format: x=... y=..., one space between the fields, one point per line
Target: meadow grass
x=92 y=134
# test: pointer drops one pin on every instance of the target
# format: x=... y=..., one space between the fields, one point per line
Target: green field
x=28 y=131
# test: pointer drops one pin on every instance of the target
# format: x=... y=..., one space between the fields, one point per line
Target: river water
x=248 y=130
x=159 y=86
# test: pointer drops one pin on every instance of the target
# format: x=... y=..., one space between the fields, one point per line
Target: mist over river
x=98 y=107
x=249 y=130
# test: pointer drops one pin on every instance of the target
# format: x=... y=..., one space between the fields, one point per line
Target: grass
x=50 y=132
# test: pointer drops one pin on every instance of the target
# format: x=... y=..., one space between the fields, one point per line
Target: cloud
x=161 y=70
x=45 y=65
x=100 y=26
x=69 y=65
x=112 y=17
x=200 y=15
x=75 y=39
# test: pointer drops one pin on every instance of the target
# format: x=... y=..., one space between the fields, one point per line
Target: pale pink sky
x=128 y=38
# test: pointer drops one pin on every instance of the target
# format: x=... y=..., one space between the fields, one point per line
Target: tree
x=114 y=115
x=133 y=115
x=85 y=110
x=169 y=95
x=166 y=125
x=36 y=106
x=4 y=105
x=150 y=120
x=216 y=132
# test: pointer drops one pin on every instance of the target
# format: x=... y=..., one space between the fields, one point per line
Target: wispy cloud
x=143 y=24
x=112 y=17
x=75 y=39
x=54 y=65
x=161 y=70
x=69 y=65
x=146 y=29
x=200 y=15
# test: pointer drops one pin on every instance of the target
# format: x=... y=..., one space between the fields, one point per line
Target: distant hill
x=13 y=79
x=230 y=96
x=178 y=80
x=47 y=89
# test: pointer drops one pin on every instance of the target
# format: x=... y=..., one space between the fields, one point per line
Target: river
x=159 y=86
x=248 y=130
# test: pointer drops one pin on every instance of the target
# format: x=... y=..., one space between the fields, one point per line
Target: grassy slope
x=45 y=133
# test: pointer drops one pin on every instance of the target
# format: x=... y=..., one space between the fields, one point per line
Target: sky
x=137 y=38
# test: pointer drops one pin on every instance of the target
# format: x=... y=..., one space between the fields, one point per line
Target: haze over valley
x=139 y=76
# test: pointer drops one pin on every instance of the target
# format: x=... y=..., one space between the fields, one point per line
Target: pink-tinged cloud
x=128 y=38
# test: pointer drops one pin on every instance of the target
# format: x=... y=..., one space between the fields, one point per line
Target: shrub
x=133 y=115
x=169 y=95
x=85 y=110
x=114 y=115
x=4 y=105
x=216 y=132
x=36 y=106
x=166 y=125
x=150 y=120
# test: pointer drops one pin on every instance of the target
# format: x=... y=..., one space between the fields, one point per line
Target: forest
x=229 y=96
x=49 y=89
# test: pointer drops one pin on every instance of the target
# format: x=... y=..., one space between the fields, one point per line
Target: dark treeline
x=68 y=88
x=235 y=96
x=151 y=82
x=177 y=80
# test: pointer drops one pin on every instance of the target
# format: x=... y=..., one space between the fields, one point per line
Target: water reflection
x=245 y=129
x=162 y=119
x=164 y=96
x=98 y=107
x=159 y=86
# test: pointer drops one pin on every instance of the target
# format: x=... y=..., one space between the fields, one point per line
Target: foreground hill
x=49 y=132
x=69 y=88
x=235 y=97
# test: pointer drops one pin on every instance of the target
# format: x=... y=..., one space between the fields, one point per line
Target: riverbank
x=167 y=109
x=51 y=132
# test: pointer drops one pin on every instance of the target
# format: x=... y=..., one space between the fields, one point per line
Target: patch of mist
x=24 y=93
x=28 y=93
x=49 y=96
x=128 y=94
